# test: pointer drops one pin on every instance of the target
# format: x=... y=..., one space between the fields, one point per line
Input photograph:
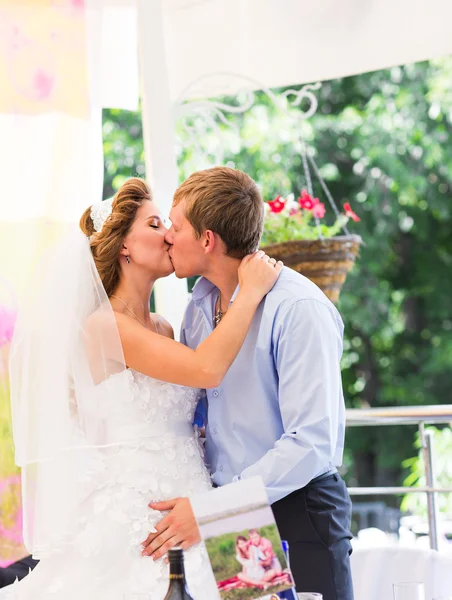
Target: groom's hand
x=178 y=528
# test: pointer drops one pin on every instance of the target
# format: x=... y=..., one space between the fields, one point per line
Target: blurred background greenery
x=382 y=142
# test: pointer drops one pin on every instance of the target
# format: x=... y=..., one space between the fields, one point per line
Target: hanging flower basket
x=296 y=233
x=326 y=262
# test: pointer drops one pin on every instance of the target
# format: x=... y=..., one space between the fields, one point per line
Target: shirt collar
x=234 y=295
x=203 y=287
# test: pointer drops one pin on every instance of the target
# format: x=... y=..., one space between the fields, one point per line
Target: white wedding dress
x=161 y=460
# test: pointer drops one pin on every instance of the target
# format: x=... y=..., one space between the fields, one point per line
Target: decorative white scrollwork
x=196 y=117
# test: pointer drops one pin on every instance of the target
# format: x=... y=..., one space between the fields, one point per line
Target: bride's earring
x=128 y=259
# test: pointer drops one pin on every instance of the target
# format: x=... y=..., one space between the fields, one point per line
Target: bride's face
x=242 y=545
x=145 y=243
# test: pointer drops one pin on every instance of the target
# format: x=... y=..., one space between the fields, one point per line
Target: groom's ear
x=208 y=241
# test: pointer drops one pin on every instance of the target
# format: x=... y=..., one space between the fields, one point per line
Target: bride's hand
x=258 y=274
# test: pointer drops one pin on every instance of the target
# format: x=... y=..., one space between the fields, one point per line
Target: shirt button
x=215 y=394
x=215 y=430
x=220 y=467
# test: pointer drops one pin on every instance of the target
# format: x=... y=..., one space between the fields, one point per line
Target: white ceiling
x=279 y=42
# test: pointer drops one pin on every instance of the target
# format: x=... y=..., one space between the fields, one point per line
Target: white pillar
x=171 y=294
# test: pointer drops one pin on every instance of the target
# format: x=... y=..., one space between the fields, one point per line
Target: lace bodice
x=148 y=435
x=134 y=406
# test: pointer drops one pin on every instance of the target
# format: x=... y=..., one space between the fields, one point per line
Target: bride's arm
x=241 y=560
x=162 y=358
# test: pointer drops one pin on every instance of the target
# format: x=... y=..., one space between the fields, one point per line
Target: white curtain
x=285 y=42
x=216 y=46
x=51 y=157
x=61 y=61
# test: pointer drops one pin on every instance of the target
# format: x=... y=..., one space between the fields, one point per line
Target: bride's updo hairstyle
x=106 y=244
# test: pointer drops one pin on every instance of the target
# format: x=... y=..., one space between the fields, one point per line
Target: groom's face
x=186 y=252
x=255 y=538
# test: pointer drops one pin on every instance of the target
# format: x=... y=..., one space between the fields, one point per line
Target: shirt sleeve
x=183 y=335
x=307 y=348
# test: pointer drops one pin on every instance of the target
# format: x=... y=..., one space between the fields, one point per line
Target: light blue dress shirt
x=279 y=412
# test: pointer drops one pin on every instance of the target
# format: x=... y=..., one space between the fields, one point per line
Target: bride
x=103 y=401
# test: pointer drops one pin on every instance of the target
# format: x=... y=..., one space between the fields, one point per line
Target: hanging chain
x=307 y=173
x=327 y=192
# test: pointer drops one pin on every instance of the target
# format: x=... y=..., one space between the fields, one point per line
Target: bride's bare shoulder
x=163 y=326
x=107 y=321
x=104 y=321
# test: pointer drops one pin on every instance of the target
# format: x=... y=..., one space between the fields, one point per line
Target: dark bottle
x=177 y=586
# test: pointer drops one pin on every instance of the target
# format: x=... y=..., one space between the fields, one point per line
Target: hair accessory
x=100 y=211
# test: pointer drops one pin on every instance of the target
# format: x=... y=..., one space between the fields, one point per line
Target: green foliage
x=123 y=148
x=282 y=227
x=226 y=547
x=442 y=452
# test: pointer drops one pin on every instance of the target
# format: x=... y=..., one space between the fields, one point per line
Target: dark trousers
x=315 y=521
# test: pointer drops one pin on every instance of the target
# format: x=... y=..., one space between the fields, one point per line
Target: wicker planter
x=325 y=262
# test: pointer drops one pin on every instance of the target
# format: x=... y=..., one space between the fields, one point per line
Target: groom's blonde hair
x=227 y=202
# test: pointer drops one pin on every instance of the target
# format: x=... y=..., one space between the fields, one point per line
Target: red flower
x=306 y=201
x=349 y=212
x=319 y=210
x=277 y=205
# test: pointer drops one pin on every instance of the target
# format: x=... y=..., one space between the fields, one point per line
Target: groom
x=279 y=412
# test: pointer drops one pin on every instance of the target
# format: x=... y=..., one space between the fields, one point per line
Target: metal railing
x=408 y=415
